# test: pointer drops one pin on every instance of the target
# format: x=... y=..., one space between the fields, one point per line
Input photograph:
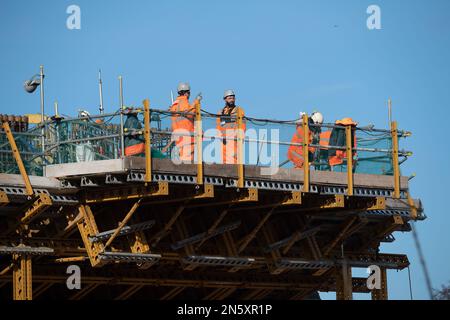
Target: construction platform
x=213 y=241
x=148 y=228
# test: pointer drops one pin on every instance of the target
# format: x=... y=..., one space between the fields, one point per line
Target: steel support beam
x=22 y=278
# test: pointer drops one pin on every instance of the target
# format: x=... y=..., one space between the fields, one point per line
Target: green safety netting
x=266 y=142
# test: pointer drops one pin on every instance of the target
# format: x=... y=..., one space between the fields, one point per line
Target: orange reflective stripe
x=135 y=149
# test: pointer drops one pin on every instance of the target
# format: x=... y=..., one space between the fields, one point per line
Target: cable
x=422 y=261
x=410 y=286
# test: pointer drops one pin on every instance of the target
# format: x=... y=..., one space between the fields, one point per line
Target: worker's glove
x=199 y=97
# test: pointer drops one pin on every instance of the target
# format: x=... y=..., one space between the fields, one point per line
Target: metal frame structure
x=189 y=234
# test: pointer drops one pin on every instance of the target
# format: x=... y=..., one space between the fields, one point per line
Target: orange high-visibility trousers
x=183 y=128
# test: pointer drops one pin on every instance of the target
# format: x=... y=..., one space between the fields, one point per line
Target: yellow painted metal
x=160 y=188
x=138 y=244
x=148 y=142
x=412 y=206
x=380 y=204
x=36 y=118
x=295 y=197
x=39 y=205
x=88 y=228
x=305 y=153
x=395 y=164
x=198 y=142
x=348 y=138
x=123 y=222
x=18 y=158
x=71 y=259
x=3 y=199
x=7 y=269
x=208 y=192
x=22 y=278
x=240 y=148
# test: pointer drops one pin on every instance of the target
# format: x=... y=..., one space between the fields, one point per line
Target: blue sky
x=281 y=57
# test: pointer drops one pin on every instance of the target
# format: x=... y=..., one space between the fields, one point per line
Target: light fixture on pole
x=30 y=86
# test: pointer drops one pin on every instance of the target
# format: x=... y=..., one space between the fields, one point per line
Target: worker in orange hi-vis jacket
x=295 y=151
x=228 y=128
x=183 y=124
x=338 y=158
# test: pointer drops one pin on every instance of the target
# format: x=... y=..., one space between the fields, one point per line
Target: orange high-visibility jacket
x=183 y=122
x=228 y=131
x=295 y=152
x=338 y=156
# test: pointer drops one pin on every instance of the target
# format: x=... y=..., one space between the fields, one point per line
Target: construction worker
x=134 y=144
x=183 y=124
x=295 y=151
x=338 y=158
x=228 y=128
x=324 y=142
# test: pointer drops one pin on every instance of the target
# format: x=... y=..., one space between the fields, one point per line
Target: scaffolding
x=148 y=226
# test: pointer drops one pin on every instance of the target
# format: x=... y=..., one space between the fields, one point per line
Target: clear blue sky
x=280 y=56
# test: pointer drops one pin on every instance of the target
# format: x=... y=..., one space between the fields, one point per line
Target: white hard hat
x=228 y=93
x=83 y=113
x=317 y=118
x=183 y=86
x=300 y=119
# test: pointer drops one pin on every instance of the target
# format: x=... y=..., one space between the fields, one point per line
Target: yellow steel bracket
x=139 y=244
x=324 y=202
x=240 y=149
x=148 y=142
x=160 y=188
x=18 y=158
x=412 y=206
x=3 y=199
x=88 y=228
x=207 y=192
x=379 y=204
x=349 y=149
x=395 y=164
x=41 y=203
x=198 y=142
x=250 y=195
x=305 y=153
x=295 y=197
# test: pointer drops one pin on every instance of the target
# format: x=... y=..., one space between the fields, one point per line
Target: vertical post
x=22 y=278
x=240 y=149
x=349 y=148
x=198 y=142
x=41 y=74
x=148 y=144
x=18 y=158
x=396 y=167
x=382 y=293
x=122 y=139
x=305 y=153
x=344 y=285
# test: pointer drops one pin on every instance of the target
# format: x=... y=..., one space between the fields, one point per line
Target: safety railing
x=199 y=137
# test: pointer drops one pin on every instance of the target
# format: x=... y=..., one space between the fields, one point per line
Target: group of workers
x=183 y=119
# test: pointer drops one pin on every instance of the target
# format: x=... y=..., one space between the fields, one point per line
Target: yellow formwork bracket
x=3 y=199
x=295 y=197
x=39 y=205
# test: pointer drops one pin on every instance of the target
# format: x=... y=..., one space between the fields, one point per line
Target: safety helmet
x=228 y=93
x=317 y=118
x=346 y=122
x=83 y=113
x=183 y=86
